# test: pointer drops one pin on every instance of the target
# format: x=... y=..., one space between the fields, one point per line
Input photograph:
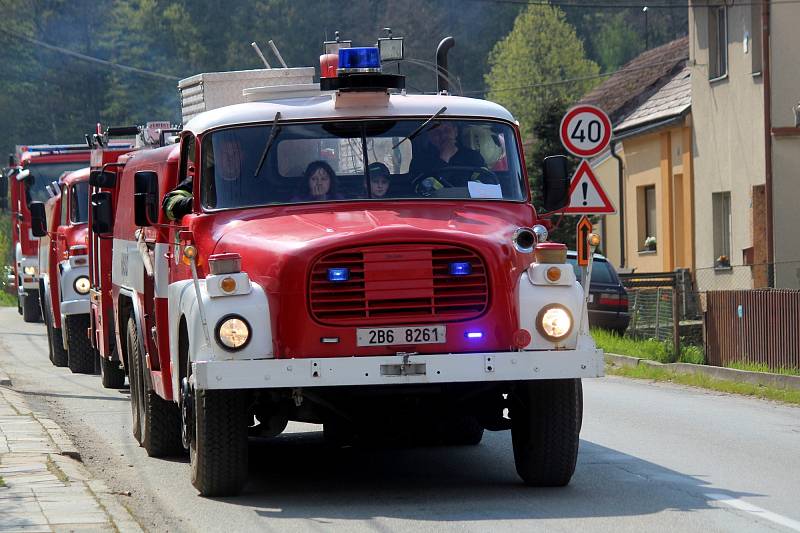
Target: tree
x=616 y=43
x=529 y=65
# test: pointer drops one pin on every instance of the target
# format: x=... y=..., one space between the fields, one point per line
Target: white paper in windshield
x=484 y=190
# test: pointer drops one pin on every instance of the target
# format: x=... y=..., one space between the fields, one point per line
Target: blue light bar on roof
x=338 y=274
x=460 y=269
x=360 y=59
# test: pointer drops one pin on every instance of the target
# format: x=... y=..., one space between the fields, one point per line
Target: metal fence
x=655 y=304
x=753 y=326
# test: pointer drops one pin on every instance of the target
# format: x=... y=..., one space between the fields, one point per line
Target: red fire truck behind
x=32 y=170
x=353 y=256
x=62 y=226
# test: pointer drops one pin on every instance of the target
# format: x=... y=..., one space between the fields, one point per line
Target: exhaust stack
x=444 y=47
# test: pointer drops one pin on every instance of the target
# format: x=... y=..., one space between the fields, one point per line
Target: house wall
x=728 y=148
x=606 y=171
x=785 y=91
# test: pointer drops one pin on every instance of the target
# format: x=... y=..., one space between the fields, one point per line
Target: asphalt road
x=652 y=457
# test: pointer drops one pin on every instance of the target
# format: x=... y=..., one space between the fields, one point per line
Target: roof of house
x=670 y=101
x=638 y=79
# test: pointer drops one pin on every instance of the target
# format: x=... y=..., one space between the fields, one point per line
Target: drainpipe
x=441 y=63
x=621 y=203
x=767 y=140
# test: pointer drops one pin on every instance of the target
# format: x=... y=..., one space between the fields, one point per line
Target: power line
x=97 y=60
x=581 y=78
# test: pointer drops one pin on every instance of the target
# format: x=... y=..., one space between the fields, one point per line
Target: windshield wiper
x=420 y=128
x=272 y=134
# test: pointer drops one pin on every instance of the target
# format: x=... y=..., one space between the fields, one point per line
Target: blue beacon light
x=338 y=274
x=474 y=335
x=359 y=59
x=460 y=269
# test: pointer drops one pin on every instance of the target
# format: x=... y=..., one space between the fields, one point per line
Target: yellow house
x=650 y=105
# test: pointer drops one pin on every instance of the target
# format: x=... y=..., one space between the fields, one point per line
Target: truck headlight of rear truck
x=554 y=322
x=29 y=270
x=81 y=285
x=233 y=332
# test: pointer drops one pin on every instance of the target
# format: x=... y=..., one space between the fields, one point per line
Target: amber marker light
x=553 y=274
x=189 y=254
x=228 y=284
x=594 y=240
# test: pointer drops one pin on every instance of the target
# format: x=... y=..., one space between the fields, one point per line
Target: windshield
x=42 y=174
x=364 y=160
x=79 y=203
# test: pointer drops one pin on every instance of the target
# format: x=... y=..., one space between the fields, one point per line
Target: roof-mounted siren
x=357 y=69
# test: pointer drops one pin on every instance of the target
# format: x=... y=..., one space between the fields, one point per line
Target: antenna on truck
x=274 y=51
x=258 y=51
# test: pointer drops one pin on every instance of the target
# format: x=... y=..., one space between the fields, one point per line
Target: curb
x=776 y=381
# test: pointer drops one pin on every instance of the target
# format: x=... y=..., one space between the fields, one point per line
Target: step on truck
x=61 y=225
x=353 y=256
x=31 y=170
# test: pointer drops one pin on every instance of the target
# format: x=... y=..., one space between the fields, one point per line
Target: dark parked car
x=608 y=299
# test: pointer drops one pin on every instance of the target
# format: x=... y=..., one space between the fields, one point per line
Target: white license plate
x=402 y=335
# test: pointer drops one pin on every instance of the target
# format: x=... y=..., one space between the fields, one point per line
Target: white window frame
x=716 y=76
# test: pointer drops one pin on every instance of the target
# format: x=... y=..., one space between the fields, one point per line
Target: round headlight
x=81 y=285
x=29 y=270
x=554 y=322
x=233 y=332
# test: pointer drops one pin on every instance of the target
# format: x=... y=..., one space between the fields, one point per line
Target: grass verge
x=705 y=382
x=56 y=470
x=651 y=349
x=7 y=300
x=763 y=367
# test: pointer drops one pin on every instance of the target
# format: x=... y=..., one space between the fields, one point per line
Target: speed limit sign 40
x=585 y=131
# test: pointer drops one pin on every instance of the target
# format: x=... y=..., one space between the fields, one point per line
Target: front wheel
x=112 y=375
x=545 y=430
x=30 y=308
x=80 y=351
x=218 y=444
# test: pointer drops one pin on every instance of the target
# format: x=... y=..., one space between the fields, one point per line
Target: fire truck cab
x=62 y=229
x=33 y=169
x=355 y=256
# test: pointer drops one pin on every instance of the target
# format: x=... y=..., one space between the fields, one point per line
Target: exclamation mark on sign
x=585 y=187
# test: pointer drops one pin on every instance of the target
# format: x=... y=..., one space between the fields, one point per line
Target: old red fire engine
x=32 y=169
x=61 y=226
x=354 y=256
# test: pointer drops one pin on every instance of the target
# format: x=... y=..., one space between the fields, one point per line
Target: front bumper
x=397 y=369
x=74 y=307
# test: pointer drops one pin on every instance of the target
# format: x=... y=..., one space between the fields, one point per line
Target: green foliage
x=617 y=43
x=541 y=47
x=651 y=349
x=763 y=367
x=706 y=382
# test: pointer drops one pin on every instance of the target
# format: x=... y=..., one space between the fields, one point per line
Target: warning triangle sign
x=586 y=196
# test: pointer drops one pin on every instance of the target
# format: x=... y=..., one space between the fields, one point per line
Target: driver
x=444 y=150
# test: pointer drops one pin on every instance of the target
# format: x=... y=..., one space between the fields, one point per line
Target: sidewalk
x=43 y=485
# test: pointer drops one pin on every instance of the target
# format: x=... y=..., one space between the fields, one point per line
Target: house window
x=717 y=42
x=721 y=203
x=755 y=36
x=646 y=197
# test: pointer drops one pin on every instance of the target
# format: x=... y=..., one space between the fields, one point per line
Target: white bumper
x=395 y=369
x=72 y=303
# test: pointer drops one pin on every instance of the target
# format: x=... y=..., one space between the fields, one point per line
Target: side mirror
x=555 y=182
x=38 y=219
x=103 y=178
x=102 y=213
x=145 y=198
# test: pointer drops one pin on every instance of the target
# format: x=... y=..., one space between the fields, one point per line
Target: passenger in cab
x=320 y=183
x=379 y=180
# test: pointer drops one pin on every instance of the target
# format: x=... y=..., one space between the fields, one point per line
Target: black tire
x=59 y=354
x=159 y=419
x=80 y=353
x=461 y=430
x=135 y=381
x=30 y=308
x=112 y=375
x=546 y=421
x=218 y=449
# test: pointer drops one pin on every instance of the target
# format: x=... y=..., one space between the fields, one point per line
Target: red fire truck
x=32 y=170
x=62 y=229
x=354 y=256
